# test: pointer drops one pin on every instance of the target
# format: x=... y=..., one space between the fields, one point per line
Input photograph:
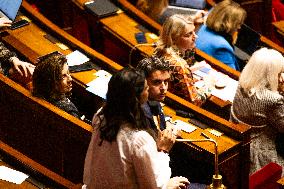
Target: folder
x=101 y=8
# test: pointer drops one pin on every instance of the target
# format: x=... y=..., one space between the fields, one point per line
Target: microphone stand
x=139 y=45
x=217 y=178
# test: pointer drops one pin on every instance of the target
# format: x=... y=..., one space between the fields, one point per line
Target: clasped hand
x=166 y=138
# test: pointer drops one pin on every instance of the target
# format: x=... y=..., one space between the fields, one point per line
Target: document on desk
x=12 y=175
x=99 y=85
x=187 y=127
x=76 y=58
x=228 y=92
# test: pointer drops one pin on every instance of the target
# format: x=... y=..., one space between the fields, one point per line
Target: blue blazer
x=217 y=46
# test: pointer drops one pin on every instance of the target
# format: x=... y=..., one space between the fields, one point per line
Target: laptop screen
x=248 y=39
x=10 y=8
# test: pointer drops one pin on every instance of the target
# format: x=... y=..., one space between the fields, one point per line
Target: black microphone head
x=154 y=106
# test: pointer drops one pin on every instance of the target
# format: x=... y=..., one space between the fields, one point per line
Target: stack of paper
x=76 y=58
x=99 y=85
x=11 y=175
x=181 y=125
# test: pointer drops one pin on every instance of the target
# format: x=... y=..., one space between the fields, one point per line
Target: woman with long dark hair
x=123 y=152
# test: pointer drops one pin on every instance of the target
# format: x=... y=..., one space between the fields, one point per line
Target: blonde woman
x=259 y=104
x=176 y=45
x=217 y=37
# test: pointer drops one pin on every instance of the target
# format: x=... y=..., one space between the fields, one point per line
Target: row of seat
x=38 y=175
x=59 y=141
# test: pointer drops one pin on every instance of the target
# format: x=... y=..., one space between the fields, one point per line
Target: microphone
x=139 y=45
x=217 y=178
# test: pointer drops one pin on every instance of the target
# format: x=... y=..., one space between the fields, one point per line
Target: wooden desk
x=125 y=28
x=279 y=26
x=39 y=176
x=233 y=144
x=281 y=183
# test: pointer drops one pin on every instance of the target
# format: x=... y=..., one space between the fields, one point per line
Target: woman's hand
x=25 y=69
x=5 y=22
x=166 y=140
x=177 y=183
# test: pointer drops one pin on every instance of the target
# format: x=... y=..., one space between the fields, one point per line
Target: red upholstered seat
x=277 y=10
x=266 y=177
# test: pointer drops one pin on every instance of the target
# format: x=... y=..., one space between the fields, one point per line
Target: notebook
x=10 y=8
x=247 y=42
x=101 y=8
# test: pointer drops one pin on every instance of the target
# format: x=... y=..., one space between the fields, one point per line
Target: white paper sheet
x=12 y=175
x=76 y=58
x=99 y=85
x=187 y=127
x=228 y=92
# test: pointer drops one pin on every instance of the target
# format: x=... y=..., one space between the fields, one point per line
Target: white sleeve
x=151 y=167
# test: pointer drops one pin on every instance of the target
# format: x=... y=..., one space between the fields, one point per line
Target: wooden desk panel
x=11 y=157
x=125 y=27
x=279 y=26
x=35 y=36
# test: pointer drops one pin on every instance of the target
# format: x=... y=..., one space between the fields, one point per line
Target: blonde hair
x=226 y=17
x=173 y=29
x=262 y=71
x=153 y=8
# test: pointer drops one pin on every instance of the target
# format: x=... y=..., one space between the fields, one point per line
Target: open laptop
x=10 y=8
x=195 y=4
x=181 y=10
x=247 y=43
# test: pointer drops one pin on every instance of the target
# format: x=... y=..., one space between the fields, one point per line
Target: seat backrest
x=42 y=131
x=266 y=177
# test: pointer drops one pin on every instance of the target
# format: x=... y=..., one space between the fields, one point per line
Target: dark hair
x=150 y=64
x=47 y=75
x=122 y=103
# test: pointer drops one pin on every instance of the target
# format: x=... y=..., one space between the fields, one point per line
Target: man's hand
x=4 y=22
x=25 y=69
